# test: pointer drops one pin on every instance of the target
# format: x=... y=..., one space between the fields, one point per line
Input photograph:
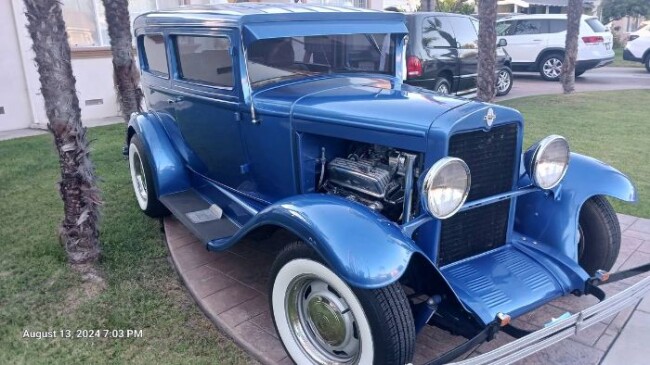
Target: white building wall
x=15 y=110
x=95 y=87
x=23 y=101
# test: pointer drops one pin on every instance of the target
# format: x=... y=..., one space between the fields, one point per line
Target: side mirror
x=502 y=42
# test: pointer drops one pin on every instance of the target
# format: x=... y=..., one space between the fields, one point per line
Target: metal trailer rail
x=543 y=338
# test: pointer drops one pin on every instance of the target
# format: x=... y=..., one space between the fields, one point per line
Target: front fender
x=167 y=166
x=552 y=217
x=364 y=248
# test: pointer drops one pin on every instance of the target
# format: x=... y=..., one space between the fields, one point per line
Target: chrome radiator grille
x=492 y=161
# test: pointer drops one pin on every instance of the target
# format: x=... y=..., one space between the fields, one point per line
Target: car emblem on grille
x=490 y=116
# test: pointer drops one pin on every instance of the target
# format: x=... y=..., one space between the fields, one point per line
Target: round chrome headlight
x=550 y=161
x=446 y=186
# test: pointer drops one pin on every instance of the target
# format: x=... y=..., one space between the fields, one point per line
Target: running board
x=203 y=218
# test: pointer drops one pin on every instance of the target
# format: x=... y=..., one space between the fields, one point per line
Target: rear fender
x=168 y=168
x=552 y=217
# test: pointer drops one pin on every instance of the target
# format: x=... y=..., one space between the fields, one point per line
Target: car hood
x=347 y=106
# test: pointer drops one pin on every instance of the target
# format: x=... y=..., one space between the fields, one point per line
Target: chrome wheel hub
x=552 y=67
x=503 y=81
x=442 y=89
x=322 y=322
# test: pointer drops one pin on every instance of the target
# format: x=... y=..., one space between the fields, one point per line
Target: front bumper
x=561 y=330
x=628 y=56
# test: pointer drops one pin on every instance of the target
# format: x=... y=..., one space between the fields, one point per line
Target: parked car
x=637 y=48
x=442 y=54
x=292 y=119
x=536 y=43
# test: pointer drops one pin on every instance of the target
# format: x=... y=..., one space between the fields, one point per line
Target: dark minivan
x=442 y=54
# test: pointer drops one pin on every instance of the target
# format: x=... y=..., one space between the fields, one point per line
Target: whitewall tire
x=142 y=180
x=322 y=320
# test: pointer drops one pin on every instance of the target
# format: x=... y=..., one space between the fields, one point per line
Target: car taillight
x=593 y=39
x=633 y=37
x=413 y=66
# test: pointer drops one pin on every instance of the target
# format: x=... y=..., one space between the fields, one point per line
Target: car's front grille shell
x=491 y=157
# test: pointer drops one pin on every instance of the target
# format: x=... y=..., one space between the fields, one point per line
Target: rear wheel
x=504 y=81
x=550 y=67
x=599 y=235
x=142 y=179
x=321 y=320
x=647 y=63
x=442 y=86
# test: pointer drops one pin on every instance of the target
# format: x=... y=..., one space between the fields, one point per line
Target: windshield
x=278 y=59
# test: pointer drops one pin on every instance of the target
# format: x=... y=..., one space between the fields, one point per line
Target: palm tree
x=126 y=74
x=487 y=49
x=568 y=76
x=79 y=231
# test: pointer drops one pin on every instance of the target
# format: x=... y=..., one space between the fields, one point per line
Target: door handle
x=537 y=40
x=174 y=100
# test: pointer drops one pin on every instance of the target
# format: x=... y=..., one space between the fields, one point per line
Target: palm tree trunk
x=125 y=72
x=79 y=231
x=568 y=77
x=487 y=50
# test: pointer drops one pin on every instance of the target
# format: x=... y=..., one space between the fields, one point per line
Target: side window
x=437 y=33
x=530 y=26
x=465 y=32
x=505 y=28
x=557 y=25
x=155 y=57
x=205 y=60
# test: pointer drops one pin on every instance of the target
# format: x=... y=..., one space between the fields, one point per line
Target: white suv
x=536 y=43
x=638 y=46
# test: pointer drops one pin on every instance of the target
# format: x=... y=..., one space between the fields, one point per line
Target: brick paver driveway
x=231 y=288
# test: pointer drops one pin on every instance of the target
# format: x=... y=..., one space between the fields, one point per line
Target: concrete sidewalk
x=632 y=346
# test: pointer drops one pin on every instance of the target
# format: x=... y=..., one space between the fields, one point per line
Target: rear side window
x=205 y=60
x=155 y=55
x=505 y=28
x=530 y=26
x=465 y=32
x=596 y=25
x=557 y=25
x=437 y=33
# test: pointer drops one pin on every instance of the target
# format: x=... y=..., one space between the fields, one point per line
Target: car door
x=467 y=44
x=206 y=106
x=439 y=45
x=526 y=38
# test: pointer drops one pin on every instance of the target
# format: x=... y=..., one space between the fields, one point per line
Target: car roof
x=541 y=16
x=237 y=14
x=435 y=13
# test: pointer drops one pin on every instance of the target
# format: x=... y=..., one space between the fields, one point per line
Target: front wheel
x=504 y=81
x=647 y=63
x=599 y=235
x=321 y=320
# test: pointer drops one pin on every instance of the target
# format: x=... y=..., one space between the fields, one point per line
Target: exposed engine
x=372 y=175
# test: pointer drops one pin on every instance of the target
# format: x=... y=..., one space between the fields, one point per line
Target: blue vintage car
x=402 y=207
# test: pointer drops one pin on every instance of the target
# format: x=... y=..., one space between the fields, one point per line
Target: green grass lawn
x=620 y=62
x=611 y=126
x=39 y=293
